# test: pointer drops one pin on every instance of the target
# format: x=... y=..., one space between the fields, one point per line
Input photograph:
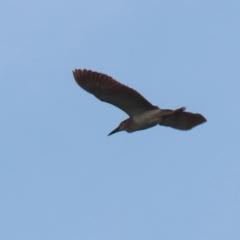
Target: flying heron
x=142 y=114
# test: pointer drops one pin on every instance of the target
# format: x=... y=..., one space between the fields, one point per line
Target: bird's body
x=142 y=113
x=147 y=119
x=144 y=120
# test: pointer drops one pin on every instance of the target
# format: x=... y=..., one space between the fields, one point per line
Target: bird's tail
x=179 y=119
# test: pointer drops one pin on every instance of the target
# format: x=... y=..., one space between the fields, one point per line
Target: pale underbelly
x=147 y=120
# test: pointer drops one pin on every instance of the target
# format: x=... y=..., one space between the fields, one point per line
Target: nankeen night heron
x=142 y=114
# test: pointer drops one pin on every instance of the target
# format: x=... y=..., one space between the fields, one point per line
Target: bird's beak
x=114 y=131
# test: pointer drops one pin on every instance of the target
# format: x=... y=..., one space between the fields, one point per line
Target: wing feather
x=183 y=120
x=106 y=89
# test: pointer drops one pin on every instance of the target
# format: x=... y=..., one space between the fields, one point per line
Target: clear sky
x=61 y=177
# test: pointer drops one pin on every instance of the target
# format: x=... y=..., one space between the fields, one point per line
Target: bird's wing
x=109 y=90
x=183 y=120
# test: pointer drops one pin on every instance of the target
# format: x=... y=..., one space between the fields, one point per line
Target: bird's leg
x=164 y=113
x=167 y=113
x=182 y=109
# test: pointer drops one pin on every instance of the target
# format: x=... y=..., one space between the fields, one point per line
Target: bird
x=142 y=114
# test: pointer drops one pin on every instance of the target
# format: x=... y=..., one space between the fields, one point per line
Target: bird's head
x=123 y=126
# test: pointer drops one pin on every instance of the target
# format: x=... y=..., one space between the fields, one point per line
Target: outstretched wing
x=183 y=120
x=109 y=90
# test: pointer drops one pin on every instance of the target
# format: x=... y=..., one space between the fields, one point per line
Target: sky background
x=61 y=177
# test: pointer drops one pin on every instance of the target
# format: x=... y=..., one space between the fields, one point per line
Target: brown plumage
x=140 y=110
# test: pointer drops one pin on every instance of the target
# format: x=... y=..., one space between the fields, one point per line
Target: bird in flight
x=142 y=114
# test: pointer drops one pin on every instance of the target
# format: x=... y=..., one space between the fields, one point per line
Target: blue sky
x=61 y=177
